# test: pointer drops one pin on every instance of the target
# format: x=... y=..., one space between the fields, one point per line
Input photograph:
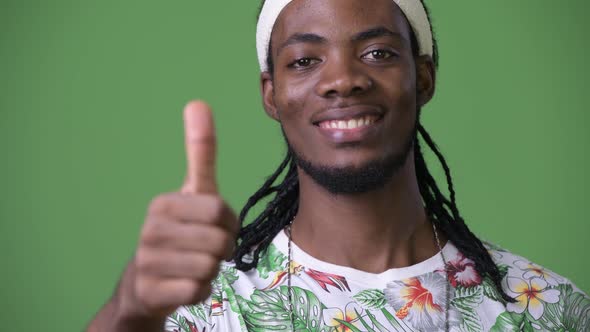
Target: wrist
x=112 y=318
x=127 y=314
x=129 y=323
x=127 y=317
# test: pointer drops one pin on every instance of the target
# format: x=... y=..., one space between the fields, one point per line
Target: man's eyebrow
x=317 y=39
x=302 y=38
x=375 y=33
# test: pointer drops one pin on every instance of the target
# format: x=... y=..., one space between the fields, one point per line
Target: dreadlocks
x=255 y=236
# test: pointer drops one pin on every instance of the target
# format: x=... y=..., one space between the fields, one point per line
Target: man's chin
x=349 y=180
x=353 y=179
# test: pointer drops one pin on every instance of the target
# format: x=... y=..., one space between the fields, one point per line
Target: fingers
x=200 y=149
x=167 y=294
x=177 y=264
x=208 y=209
x=169 y=235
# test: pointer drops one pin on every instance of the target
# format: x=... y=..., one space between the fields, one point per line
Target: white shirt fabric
x=328 y=297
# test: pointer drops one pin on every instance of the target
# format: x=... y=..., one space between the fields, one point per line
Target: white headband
x=413 y=9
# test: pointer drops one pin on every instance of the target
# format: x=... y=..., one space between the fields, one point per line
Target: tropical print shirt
x=328 y=297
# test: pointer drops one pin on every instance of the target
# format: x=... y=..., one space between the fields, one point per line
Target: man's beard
x=373 y=175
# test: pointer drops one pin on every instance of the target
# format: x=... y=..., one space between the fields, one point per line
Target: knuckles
x=151 y=262
x=151 y=234
x=223 y=241
x=213 y=207
x=144 y=260
x=159 y=204
x=203 y=207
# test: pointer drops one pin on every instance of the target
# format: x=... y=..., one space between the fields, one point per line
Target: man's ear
x=425 y=79
x=267 y=91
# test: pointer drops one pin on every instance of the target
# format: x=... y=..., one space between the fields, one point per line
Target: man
x=357 y=235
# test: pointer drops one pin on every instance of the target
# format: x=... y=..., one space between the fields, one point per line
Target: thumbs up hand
x=185 y=235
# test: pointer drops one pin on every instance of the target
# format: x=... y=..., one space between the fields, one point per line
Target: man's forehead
x=279 y=20
x=338 y=17
x=327 y=6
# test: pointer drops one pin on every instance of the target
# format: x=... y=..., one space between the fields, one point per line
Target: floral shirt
x=328 y=297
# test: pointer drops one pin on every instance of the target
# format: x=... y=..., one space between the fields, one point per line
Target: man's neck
x=372 y=232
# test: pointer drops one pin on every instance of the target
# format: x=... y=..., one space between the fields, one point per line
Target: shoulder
x=516 y=266
x=542 y=297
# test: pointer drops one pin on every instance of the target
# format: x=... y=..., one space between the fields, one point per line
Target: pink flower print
x=461 y=271
x=530 y=295
x=326 y=279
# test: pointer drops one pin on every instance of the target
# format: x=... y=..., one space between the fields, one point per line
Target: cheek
x=290 y=100
x=405 y=106
x=401 y=97
x=406 y=100
x=399 y=90
x=402 y=88
x=295 y=106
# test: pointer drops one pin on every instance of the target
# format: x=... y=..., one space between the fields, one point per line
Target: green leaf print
x=269 y=310
x=503 y=269
x=571 y=312
x=363 y=322
x=217 y=290
x=271 y=260
x=197 y=310
x=376 y=323
x=576 y=314
x=227 y=276
x=245 y=306
x=552 y=313
x=466 y=301
x=180 y=321
x=232 y=298
x=229 y=273
x=511 y=322
x=394 y=323
x=490 y=291
x=371 y=299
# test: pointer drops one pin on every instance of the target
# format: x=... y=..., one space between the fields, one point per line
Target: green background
x=91 y=97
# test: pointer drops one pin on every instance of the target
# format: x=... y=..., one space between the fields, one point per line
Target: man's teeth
x=348 y=124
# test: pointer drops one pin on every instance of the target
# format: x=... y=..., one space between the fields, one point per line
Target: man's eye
x=379 y=54
x=302 y=63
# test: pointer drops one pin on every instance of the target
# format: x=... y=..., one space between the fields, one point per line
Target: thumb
x=200 y=149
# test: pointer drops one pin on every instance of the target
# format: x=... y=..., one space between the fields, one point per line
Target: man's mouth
x=353 y=123
x=350 y=130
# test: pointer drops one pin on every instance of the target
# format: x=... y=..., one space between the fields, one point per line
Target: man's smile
x=356 y=122
x=348 y=124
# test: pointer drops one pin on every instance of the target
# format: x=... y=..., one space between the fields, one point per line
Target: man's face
x=344 y=85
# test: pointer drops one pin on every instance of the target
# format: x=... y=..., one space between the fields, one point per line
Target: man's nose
x=343 y=77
